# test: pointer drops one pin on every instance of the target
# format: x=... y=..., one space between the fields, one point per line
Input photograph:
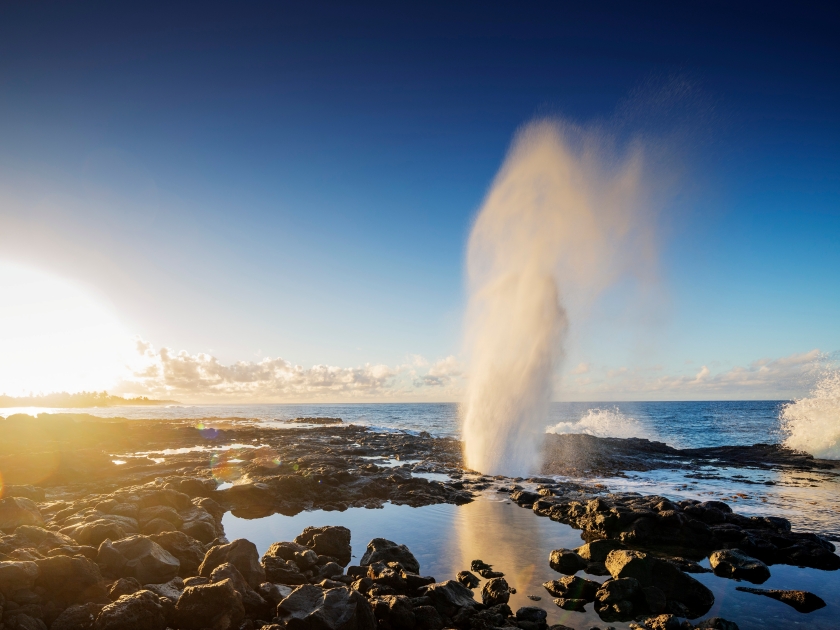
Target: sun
x=56 y=336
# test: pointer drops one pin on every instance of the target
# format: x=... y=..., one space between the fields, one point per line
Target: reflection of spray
x=562 y=219
x=813 y=423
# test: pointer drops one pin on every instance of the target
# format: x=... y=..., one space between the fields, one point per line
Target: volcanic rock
x=333 y=541
x=217 y=606
x=139 y=611
x=383 y=550
x=310 y=606
x=242 y=554
x=495 y=591
x=802 y=601
x=732 y=563
x=139 y=557
x=566 y=561
x=17 y=511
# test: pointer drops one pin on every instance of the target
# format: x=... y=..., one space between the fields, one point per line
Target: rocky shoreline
x=118 y=524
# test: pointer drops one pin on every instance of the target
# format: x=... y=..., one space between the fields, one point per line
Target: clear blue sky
x=297 y=180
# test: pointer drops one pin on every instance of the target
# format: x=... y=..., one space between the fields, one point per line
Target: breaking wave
x=610 y=422
x=812 y=424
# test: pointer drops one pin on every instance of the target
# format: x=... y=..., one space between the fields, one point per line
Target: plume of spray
x=564 y=218
x=812 y=423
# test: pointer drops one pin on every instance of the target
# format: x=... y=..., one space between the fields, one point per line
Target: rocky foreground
x=116 y=524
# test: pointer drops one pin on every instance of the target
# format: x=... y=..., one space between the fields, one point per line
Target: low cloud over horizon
x=201 y=377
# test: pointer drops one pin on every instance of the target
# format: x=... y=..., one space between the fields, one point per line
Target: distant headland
x=80 y=399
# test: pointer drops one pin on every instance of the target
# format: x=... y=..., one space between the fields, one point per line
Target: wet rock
x=655 y=600
x=662 y=622
x=716 y=623
x=17 y=511
x=802 y=601
x=186 y=549
x=566 y=561
x=495 y=591
x=393 y=612
x=78 y=617
x=449 y=597
x=383 y=550
x=617 y=590
x=217 y=606
x=71 y=580
x=572 y=587
x=468 y=579
x=598 y=550
x=333 y=541
x=532 y=614
x=139 y=611
x=242 y=554
x=310 y=606
x=732 y=563
x=577 y=605
x=139 y=557
x=525 y=498
x=17 y=575
x=651 y=571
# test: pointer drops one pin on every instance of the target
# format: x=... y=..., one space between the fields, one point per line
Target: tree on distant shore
x=79 y=399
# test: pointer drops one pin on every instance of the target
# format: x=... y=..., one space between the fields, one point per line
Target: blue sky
x=298 y=180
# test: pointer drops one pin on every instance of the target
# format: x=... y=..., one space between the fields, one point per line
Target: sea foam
x=812 y=424
x=609 y=422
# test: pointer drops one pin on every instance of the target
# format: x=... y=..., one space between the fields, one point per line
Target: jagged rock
x=139 y=611
x=716 y=623
x=566 y=561
x=254 y=604
x=662 y=622
x=95 y=532
x=124 y=586
x=274 y=593
x=383 y=550
x=732 y=563
x=427 y=618
x=802 y=601
x=309 y=606
x=281 y=571
x=533 y=614
x=17 y=511
x=38 y=538
x=242 y=554
x=78 y=617
x=333 y=541
x=468 y=579
x=597 y=550
x=449 y=597
x=495 y=591
x=139 y=557
x=16 y=575
x=572 y=587
x=71 y=580
x=170 y=591
x=651 y=571
x=578 y=605
x=393 y=612
x=186 y=549
x=217 y=606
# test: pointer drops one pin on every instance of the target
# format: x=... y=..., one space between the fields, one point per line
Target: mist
x=566 y=217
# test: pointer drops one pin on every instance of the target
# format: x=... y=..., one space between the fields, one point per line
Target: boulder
x=566 y=561
x=310 y=606
x=532 y=614
x=598 y=550
x=468 y=579
x=139 y=557
x=189 y=551
x=281 y=571
x=733 y=563
x=240 y=553
x=16 y=575
x=17 y=511
x=169 y=591
x=578 y=605
x=78 y=617
x=274 y=593
x=716 y=623
x=573 y=587
x=159 y=512
x=393 y=612
x=802 y=601
x=96 y=532
x=71 y=579
x=255 y=605
x=382 y=550
x=38 y=538
x=495 y=591
x=651 y=571
x=139 y=611
x=449 y=597
x=333 y=541
x=427 y=618
x=216 y=606
x=124 y=586
x=662 y=622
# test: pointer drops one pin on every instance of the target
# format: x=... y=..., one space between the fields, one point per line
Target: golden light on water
x=56 y=336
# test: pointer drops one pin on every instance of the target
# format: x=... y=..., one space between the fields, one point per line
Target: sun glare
x=56 y=336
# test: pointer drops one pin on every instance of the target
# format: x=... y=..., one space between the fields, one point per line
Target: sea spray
x=812 y=424
x=606 y=422
x=563 y=219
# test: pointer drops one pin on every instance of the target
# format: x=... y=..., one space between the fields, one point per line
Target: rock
x=159 y=512
x=449 y=597
x=333 y=541
x=468 y=579
x=216 y=606
x=573 y=587
x=617 y=590
x=480 y=565
x=802 y=601
x=651 y=571
x=578 y=605
x=525 y=498
x=202 y=531
x=393 y=612
x=309 y=607
x=427 y=618
x=240 y=553
x=96 y=532
x=139 y=611
x=382 y=550
x=187 y=550
x=495 y=591
x=139 y=557
x=17 y=511
x=78 y=617
x=598 y=550
x=732 y=563
x=655 y=600
x=254 y=604
x=717 y=623
x=274 y=593
x=533 y=614
x=566 y=561
x=284 y=550
x=280 y=571
x=72 y=580
x=16 y=575
x=39 y=538
x=662 y=622
x=170 y=591
x=19 y=620
x=124 y=586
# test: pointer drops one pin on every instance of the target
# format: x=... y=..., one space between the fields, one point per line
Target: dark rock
x=572 y=587
x=256 y=607
x=311 y=607
x=802 y=601
x=242 y=554
x=281 y=571
x=78 y=617
x=139 y=557
x=217 y=606
x=382 y=550
x=533 y=614
x=186 y=549
x=427 y=618
x=662 y=622
x=495 y=591
x=732 y=563
x=72 y=580
x=655 y=600
x=449 y=597
x=331 y=541
x=139 y=611
x=578 y=605
x=17 y=511
x=274 y=593
x=393 y=612
x=480 y=565
x=124 y=586
x=168 y=592
x=468 y=579
x=525 y=498
x=16 y=575
x=598 y=550
x=566 y=561
x=716 y=623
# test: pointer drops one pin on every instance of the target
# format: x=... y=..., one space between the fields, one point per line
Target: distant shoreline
x=79 y=401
